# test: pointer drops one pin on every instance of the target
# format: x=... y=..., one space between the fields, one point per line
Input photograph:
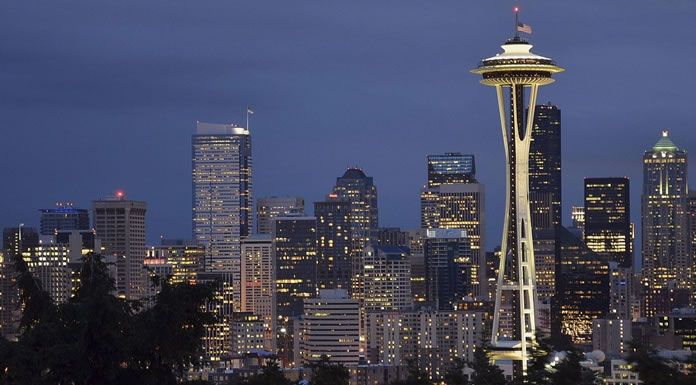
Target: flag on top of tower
x=251 y=112
x=525 y=28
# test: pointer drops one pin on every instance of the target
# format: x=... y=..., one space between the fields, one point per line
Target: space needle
x=516 y=73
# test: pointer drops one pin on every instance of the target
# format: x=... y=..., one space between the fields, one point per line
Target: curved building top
x=517 y=65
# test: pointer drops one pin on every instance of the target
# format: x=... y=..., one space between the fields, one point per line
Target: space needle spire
x=516 y=74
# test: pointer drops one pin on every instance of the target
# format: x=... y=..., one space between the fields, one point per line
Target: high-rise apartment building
x=386 y=278
x=392 y=236
x=120 y=224
x=450 y=275
x=334 y=244
x=259 y=284
x=331 y=327
x=222 y=194
x=667 y=262
x=360 y=191
x=545 y=167
x=432 y=339
x=63 y=217
x=607 y=219
x=271 y=207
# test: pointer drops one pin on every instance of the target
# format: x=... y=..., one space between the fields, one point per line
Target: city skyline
x=300 y=127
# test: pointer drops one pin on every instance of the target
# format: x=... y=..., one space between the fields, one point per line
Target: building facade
x=120 y=224
x=271 y=207
x=386 y=279
x=607 y=219
x=545 y=167
x=334 y=244
x=63 y=217
x=450 y=272
x=331 y=327
x=222 y=194
x=259 y=283
x=667 y=262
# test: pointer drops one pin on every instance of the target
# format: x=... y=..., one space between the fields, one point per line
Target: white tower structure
x=514 y=73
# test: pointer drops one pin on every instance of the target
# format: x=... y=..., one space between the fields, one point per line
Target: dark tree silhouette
x=324 y=372
x=485 y=372
x=97 y=338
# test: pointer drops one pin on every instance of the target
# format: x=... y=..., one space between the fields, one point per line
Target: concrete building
x=331 y=327
x=247 y=333
x=120 y=224
x=612 y=336
x=386 y=279
x=222 y=195
x=259 y=283
x=433 y=339
x=217 y=338
x=271 y=207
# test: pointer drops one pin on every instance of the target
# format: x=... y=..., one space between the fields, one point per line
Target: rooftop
x=665 y=143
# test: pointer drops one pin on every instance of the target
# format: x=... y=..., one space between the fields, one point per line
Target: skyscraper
x=583 y=293
x=450 y=274
x=545 y=167
x=454 y=200
x=516 y=69
x=452 y=167
x=607 y=218
x=271 y=207
x=295 y=256
x=667 y=262
x=120 y=224
x=360 y=191
x=259 y=284
x=222 y=194
x=63 y=217
x=334 y=244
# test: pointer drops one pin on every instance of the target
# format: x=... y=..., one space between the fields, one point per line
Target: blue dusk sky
x=103 y=95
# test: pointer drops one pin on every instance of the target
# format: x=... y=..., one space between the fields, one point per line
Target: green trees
x=655 y=370
x=325 y=372
x=97 y=338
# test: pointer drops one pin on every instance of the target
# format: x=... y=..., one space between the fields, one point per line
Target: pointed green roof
x=665 y=143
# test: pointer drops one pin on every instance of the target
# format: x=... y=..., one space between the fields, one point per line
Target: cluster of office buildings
x=332 y=282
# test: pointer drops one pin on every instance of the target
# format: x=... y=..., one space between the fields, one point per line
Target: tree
x=537 y=365
x=325 y=372
x=270 y=375
x=655 y=370
x=97 y=338
x=569 y=371
x=485 y=372
x=455 y=374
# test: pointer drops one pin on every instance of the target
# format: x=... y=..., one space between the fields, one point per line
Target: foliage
x=270 y=375
x=455 y=374
x=570 y=372
x=325 y=372
x=655 y=370
x=485 y=372
x=97 y=338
